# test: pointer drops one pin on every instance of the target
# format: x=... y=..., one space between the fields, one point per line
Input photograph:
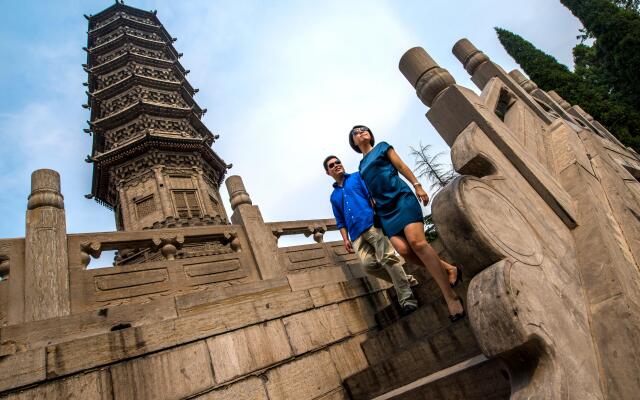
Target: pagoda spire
x=152 y=158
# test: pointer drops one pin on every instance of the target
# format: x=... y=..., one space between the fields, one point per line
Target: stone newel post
x=46 y=274
x=263 y=244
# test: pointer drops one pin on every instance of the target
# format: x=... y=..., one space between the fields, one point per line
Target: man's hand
x=348 y=246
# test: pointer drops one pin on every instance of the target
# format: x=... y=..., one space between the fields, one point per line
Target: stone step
x=403 y=333
x=427 y=293
x=473 y=379
x=441 y=349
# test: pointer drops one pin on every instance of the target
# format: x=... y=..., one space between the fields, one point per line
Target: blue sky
x=283 y=82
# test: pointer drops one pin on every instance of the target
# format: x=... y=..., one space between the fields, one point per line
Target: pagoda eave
x=122 y=20
x=125 y=38
x=142 y=107
x=109 y=11
x=135 y=79
x=143 y=145
x=127 y=57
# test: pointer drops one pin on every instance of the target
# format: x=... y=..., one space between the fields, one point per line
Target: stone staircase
x=424 y=355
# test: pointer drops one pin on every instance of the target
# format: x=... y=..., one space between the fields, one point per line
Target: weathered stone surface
x=318 y=277
x=46 y=278
x=91 y=386
x=440 y=349
x=171 y=374
x=359 y=314
x=52 y=331
x=102 y=349
x=312 y=329
x=190 y=301
x=333 y=293
x=21 y=369
x=249 y=389
x=348 y=356
x=245 y=350
x=339 y=394
x=305 y=378
x=487 y=381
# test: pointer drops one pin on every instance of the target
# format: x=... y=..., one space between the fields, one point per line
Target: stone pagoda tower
x=152 y=157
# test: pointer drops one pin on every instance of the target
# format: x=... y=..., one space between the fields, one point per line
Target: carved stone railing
x=219 y=254
x=310 y=227
x=315 y=255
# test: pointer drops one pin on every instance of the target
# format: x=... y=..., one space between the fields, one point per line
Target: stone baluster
x=558 y=99
x=425 y=75
x=483 y=70
x=46 y=275
x=261 y=240
x=526 y=83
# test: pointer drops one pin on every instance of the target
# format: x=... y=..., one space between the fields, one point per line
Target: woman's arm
x=405 y=171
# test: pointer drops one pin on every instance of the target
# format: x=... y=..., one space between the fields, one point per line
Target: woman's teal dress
x=396 y=204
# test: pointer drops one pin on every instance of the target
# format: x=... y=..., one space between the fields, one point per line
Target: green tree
x=616 y=27
x=430 y=167
x=595 y=98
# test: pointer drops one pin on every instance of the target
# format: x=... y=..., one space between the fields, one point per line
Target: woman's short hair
x=353 y=144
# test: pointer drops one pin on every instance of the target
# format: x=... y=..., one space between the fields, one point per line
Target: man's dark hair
x=326 y=161
x=353 y=144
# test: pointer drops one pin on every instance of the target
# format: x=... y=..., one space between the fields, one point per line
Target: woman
x=400 y=212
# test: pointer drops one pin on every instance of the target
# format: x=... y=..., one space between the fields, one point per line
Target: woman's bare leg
x=415 y=240
x=403 y=248
x=407 y=253
x=452 y=271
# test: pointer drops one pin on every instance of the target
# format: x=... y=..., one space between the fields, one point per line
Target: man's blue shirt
x=351 y=207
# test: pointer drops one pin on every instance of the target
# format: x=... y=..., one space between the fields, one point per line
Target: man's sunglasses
x=355 y=131
x=333 y=164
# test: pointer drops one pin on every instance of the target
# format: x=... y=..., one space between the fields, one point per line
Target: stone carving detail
x=123 y=15
x=129 y=31
x=137 y=69
x=427 y=77
x=237 y=193
x=169 y=246
x=503 y=222
x=134 y=49
x=4 y=267
x=137 y=127
x=88 y=250
x=138 y=94
x=174 y=163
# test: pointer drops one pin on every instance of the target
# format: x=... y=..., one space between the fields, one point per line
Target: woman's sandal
x=458 y=276
x=458 y=316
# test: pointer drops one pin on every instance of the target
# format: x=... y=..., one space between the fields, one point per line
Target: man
x=354 y=217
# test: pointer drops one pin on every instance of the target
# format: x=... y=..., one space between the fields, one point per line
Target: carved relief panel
x=136 y=128
x=137 y=94
x=132 y=48
x=140 y=202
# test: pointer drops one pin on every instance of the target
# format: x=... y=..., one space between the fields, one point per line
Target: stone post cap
x=45 y=179
x=518 y=76
x=527 y=84
x=470 y=57
x=425 y=75
x=558 y=99
x=414 y=63
x=45 y=189
x=237 y=193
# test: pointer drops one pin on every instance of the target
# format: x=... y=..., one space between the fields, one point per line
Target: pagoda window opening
x=186 y=203
x=145 y=206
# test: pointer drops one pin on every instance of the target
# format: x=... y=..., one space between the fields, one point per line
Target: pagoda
x=153 y=164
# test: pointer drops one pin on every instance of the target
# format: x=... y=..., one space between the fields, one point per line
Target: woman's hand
x=422 y=195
